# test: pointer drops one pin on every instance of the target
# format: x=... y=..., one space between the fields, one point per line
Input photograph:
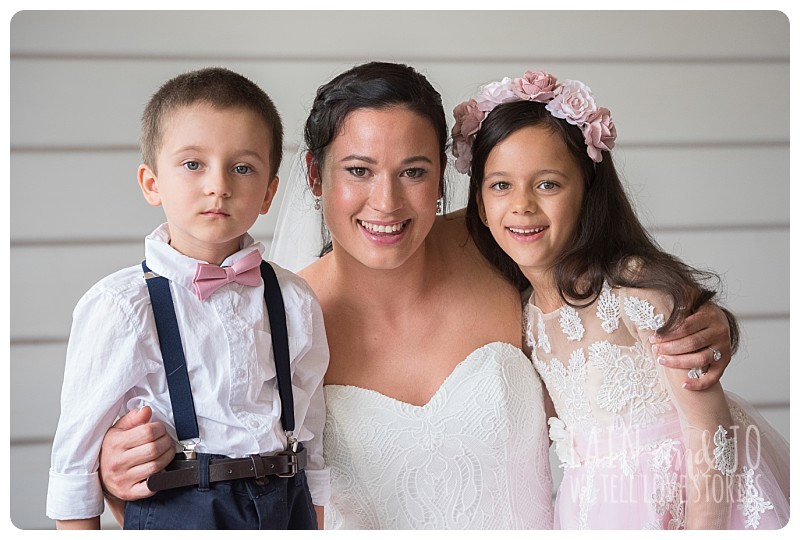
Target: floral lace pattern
x=567 y=382
x=630 y=382
x=666 y=497
x=724 y=452
x=571 y=323
x=608 y=310
x=641 y=312
x=444 y=465
x=609 y=390
x=544 y=341
x=752 y=504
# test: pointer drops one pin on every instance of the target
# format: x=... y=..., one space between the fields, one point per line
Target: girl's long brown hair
x=610 y=243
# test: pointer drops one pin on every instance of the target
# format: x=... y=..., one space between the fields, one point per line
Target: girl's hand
x=690 y=345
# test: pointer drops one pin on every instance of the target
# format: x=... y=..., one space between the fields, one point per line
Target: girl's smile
x=531 y=198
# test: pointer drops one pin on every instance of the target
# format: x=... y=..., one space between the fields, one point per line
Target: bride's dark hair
x=374 y=85
x=610 y=243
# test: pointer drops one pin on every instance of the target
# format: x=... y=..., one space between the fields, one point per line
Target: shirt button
x=240 y=374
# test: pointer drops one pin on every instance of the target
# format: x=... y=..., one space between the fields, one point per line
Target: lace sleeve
x=709 y=435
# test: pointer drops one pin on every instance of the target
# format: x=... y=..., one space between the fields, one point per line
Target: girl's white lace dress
x=636 y=453
x=474 y=457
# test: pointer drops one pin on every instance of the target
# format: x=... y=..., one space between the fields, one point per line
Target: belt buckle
x=292 y=464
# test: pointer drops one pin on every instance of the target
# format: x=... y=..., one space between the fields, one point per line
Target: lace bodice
x=595 y=364
x=625 y=426
x=474 y=457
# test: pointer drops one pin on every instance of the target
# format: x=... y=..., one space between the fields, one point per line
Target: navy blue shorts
x=274 y=503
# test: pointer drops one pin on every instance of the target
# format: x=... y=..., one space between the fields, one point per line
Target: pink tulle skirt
x=623 y=483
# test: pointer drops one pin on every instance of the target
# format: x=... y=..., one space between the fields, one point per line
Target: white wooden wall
x=701 y=102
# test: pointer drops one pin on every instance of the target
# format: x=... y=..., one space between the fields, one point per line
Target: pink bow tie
x=210 y=277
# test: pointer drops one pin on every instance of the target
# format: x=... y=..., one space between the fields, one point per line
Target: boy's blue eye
x=192 y=165
x=242 y=169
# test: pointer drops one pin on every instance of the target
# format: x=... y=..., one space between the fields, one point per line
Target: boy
x=211 y=147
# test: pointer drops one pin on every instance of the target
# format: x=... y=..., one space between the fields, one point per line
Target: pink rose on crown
x=534 y=86
x=573 y=102
x=599 y=133
x=468 y=122
x=493 y=94
x=462 y=150
x=468 y=118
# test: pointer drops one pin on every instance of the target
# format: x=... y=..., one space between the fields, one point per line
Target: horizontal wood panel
x=707 y=187
x=97 y=196
x=97 y=103
x=758 y=373
x=30 y=464
x=418 y=34
x=754 y=265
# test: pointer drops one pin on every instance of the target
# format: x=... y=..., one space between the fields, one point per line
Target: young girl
x=547 y=208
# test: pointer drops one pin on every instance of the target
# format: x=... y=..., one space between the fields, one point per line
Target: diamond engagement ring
x=717 y=355
x=696 y=372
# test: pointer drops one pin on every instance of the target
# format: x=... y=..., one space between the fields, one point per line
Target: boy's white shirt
x=114 y=365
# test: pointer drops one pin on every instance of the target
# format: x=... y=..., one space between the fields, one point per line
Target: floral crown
x=571 y=100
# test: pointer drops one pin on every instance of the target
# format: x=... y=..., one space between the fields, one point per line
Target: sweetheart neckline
x=501 y=344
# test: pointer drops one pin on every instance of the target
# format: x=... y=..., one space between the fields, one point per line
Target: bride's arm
x=692 y=344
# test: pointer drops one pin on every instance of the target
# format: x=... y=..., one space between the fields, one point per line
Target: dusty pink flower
x=468 y=122
x=468 y=118
x=493 y=94
x=599 y=133
x=462 y=150
x=534 y=86
x=573 y=102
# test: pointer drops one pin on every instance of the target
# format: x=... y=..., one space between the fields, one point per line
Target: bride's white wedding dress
x=474 y=457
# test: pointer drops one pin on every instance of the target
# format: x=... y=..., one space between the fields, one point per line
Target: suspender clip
x=291 y=441
x=187 y=449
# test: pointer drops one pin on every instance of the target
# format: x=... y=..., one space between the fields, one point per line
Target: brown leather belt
x=184 y=472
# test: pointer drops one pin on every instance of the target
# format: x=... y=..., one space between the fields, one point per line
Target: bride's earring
x=440 y=206
x=317 y=204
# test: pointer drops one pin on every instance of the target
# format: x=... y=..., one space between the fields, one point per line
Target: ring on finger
x=695 y=373
x=716 y=354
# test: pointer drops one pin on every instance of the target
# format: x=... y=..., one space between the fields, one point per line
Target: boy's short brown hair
x=222 y=89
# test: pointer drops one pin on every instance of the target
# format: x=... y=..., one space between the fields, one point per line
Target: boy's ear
x=272 y=189
x=314 y=180
x=149 y=184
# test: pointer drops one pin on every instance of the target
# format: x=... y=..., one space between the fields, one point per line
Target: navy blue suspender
x=280 y=345
x=180 y=392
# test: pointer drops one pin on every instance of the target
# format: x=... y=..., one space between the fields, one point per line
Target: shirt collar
x=166 y=261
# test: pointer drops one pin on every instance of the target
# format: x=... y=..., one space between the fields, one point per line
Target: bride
x=435 y=418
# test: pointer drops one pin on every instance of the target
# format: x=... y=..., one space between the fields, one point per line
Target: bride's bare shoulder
x=452 y=236
x=315 y=273
x=454 y=241
x=451 y=229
